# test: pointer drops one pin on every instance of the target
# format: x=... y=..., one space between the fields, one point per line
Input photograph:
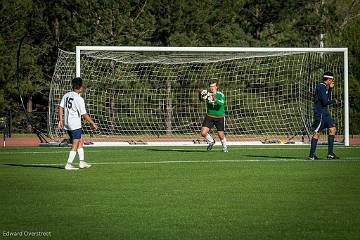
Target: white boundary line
x=345 y=160
x=223 y=161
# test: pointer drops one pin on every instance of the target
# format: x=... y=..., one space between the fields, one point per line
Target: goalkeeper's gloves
x=204 y=94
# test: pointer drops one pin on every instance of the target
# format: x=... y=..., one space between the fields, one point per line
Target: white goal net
x=139 y=95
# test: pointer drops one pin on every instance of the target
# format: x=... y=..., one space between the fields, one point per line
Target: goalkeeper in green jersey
x=215 y=104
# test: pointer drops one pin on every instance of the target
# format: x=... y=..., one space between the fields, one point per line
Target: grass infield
x=258 y=192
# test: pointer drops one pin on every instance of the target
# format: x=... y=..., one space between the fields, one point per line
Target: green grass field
x=267 y=192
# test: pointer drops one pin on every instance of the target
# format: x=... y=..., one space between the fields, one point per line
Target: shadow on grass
x=272 y=157
x=175 y=150
x=32 y=165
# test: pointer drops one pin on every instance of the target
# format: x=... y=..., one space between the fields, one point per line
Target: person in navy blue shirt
x=322 y=118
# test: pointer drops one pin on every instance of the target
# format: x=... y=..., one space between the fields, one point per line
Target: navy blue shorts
x=322 y=122
x=74 y=134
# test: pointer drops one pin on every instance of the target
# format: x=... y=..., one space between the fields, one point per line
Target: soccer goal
x=149 y=95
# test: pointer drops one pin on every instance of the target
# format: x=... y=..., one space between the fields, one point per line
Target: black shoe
x=312 y=158
x=332 y=156
x=210 y=146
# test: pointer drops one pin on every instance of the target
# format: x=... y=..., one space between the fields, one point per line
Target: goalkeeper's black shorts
x=210 y=121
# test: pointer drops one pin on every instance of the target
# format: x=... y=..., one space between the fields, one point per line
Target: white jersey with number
x=74 y=107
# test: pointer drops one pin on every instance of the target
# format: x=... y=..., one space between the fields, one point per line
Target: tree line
x=46 y=26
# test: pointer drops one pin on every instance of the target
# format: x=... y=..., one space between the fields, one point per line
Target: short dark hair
x=77 y=83
x=328 y=75
x=212 y=82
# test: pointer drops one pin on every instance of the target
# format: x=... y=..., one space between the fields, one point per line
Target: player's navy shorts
x=322 y=122
x=209 y=122
x=74 y=134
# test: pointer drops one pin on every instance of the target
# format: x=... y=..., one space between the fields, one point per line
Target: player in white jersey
x=72 y=105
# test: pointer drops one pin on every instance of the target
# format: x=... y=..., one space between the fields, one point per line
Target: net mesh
x=154 y=95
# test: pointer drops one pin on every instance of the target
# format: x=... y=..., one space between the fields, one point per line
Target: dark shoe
x=313 y=158
x=332 y=156
x=210 y=146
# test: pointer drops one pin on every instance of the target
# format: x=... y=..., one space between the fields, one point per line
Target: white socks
x=72 y=155
x=223 y=143
x=209 y=138
x=81 y=154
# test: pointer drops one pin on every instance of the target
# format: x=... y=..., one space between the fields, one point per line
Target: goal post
x=142 y=95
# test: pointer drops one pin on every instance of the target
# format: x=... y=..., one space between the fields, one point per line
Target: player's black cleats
x=210 y=146
x=332 y=156
x=312 y=158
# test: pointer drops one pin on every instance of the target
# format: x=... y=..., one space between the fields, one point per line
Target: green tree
x=23 y=20
x=49 y=25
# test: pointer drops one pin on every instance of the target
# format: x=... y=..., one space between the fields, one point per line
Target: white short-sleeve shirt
x=74 y=107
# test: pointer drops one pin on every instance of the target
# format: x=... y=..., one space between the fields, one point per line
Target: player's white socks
x=223 y=143
x=209 y=138
x=72 y=156
x=81 y=154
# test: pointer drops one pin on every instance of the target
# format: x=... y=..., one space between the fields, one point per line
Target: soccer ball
x=204 y=94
